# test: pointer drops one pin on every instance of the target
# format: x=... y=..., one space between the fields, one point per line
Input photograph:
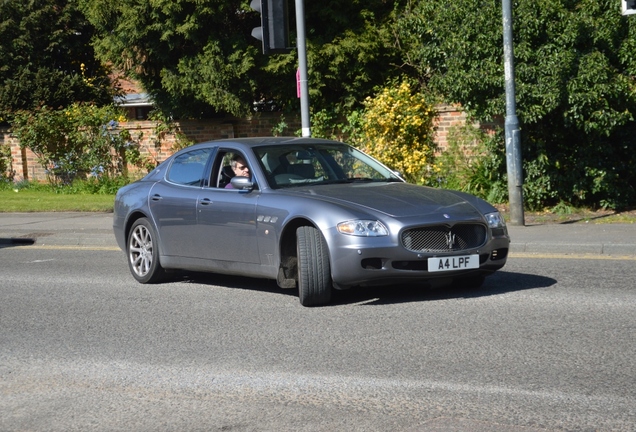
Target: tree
x=575 y=79
x=352 y=51
x=47 y=58
x=198 y=58
x=192 y=56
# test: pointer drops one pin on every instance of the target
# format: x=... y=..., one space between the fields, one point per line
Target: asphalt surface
x=560 y=349
x=94 y=230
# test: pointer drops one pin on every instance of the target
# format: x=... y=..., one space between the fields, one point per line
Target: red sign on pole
x=298 y=83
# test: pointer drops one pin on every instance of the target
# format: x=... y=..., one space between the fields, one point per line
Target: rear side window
x=189 y=168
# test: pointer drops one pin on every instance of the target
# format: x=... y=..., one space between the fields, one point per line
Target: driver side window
x=225 y=168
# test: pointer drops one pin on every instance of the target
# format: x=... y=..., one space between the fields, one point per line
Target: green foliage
x=575 y=65
x=397 y=129
x=94 y=186
x=280 y=127
x=194 y=57
x=475 y=163
x=6 y=167
x=395 y=126
x=47 y=58
x=562 y=209
x=538 y=188
x=330 y=124
x=78 y=141
x=164 y=125
x=6 y=185
x=91 y=186
x=351 y=51
x=199 y=59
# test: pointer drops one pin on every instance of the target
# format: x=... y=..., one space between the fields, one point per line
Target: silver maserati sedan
x=313 y=214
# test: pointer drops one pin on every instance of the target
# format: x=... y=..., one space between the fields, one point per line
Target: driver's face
x=241 y=169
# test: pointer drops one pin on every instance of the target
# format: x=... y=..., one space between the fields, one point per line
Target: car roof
x=260 y=141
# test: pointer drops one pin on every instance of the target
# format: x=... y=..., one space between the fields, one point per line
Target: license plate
x=453 y=263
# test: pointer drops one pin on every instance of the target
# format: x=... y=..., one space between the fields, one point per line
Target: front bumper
x=382 y=260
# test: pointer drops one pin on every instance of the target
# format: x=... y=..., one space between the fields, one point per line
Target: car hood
x=395 y=199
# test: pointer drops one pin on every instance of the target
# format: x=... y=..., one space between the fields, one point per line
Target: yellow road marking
x=71 y=247
x=572 y=256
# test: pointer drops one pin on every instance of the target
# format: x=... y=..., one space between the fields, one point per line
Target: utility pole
x=302 y=68
x=514 y=164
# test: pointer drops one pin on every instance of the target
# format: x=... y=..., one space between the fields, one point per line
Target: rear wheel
x=314 y=271
x=143 y=253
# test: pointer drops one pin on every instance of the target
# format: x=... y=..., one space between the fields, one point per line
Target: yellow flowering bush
x=397 y=129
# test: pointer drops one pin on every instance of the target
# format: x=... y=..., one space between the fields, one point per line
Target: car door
x=173 y=203
x=227 y=219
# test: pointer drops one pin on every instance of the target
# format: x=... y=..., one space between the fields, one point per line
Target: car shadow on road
x=501 y=282
x=234 y=282
x=16 y=241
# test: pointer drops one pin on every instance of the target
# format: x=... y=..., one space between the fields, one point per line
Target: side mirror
x=242 y=183
x=398 y=174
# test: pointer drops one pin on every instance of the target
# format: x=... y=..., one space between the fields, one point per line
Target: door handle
x=156 y=197
x=205 y=201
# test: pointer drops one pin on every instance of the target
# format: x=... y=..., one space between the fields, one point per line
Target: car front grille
x=444 y=238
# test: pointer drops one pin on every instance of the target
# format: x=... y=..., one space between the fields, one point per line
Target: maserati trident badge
x=450 y=240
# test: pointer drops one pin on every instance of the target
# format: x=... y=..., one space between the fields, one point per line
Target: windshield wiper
x=369 y=179
x=335 y=181
x=353 y=180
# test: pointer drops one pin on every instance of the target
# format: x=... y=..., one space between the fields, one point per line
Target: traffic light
x=274 y=29
x=628 y=7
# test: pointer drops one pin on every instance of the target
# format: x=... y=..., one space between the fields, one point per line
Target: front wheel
x=143 y=253
x=314 y=271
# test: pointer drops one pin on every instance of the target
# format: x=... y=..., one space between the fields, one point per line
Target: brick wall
x=205 y=130
x=447 y=117
x=25 y=165
x=23 y=161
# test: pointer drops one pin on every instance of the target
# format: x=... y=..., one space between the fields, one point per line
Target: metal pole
x=302 y=67
x=513 y=143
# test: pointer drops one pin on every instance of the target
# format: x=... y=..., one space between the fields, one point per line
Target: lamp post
x=302 y=68
x=514 y=164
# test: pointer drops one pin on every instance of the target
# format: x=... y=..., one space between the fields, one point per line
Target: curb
x=574 y=248
x=87 y=240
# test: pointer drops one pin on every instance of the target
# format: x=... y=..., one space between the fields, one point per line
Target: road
x=546 y=344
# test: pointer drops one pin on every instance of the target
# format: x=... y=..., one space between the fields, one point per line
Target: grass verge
x=48 y=201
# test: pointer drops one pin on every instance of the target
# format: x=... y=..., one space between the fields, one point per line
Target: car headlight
x=363 y=228
x=495 y=220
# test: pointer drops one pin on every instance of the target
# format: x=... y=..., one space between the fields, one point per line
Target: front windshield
x=310 y=164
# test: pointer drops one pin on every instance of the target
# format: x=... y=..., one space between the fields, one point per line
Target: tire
x=314 y=271
x=143 y=253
